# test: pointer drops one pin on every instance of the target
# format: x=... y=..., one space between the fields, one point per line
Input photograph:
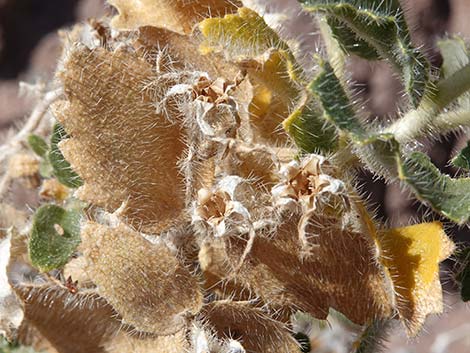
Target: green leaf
x=371 y=339
x=38 y=145
x=373 y=30
x=379 y=151
x=446 y=195
x=454 y=54
x=455 y=57
x=310 y=131
x=462 y=160
x=336 y=104
x=54 y=237
x=463 y=276
x=61 y=168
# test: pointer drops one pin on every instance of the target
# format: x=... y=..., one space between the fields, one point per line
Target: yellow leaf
x=274 y=93
x=412 y=255
x=246 y=38
x=239 y=36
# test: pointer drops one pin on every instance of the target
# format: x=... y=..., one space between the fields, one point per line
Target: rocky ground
x=29 y=47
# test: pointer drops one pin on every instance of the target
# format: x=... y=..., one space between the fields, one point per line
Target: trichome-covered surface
x=193 y=199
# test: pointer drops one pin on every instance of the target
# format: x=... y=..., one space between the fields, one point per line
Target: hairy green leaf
x=446 y=195
x=54 y=237
x=310 y=130
x=38 y=145
x=61 y=168
x=455 y=57
x=463 y=276
x=373 y=30
x=378 y=150
x=462 y=160
x=335 y=102
x=372 y=337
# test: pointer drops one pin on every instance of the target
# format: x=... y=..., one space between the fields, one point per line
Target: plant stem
x=370 y=339
x=428 y=118
x=453 y=87
x=31 y=124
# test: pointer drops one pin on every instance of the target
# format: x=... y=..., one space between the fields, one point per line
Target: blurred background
x=29 y=50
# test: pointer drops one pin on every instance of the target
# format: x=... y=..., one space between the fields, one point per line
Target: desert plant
x=197 y=186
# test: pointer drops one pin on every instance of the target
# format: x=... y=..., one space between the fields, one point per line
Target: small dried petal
x=223 y=209
x=51 y=189
x=305 y=183
x=144 y=282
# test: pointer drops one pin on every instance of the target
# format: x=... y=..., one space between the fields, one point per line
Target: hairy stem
x=31 y=125
x=427 y=118
x=371 y=338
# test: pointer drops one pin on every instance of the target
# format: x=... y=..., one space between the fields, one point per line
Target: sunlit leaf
x=271 y=271
x=412 y=255
x=145 y=283
x=376 y=30
x=310 y=130
x=241 y=35
x=455 y=56
x=446 y=195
